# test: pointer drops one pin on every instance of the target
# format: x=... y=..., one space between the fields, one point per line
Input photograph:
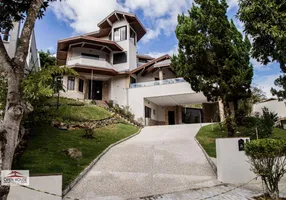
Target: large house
x=109 y=68
x=10 y=40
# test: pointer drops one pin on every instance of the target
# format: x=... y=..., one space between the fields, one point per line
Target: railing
x=86 y=60
x=154 y=83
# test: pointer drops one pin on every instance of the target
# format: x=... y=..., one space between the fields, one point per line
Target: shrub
x=110 y=103
x=88 y=133
x=267 y=159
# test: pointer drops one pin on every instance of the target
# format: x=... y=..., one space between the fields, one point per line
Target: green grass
x=62 y=101
x=44 y=153
x=80 y=113
x=207 y=135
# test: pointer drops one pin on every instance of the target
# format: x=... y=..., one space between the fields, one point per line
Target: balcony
x=90 y=61
x=155 y=83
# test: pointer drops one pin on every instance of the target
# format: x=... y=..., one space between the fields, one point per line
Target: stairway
x=101 y=103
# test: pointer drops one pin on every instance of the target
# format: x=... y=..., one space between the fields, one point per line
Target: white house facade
x=10 y=40
x=109 y=68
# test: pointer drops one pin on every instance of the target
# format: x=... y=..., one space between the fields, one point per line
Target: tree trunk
x=229 y=119
x=15 y=106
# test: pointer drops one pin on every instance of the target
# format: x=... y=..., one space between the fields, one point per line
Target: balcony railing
x=91 y=61
x=154 y=83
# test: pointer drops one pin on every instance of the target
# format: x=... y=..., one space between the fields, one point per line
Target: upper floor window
x=90 y=55
x=70 y=84
x=119 y=58
x=120 y=34
x=132 y=36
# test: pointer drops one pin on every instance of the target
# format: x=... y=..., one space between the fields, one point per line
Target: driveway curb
x=212 y=164
x=84 y=172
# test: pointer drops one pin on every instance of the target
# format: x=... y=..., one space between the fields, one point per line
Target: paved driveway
x=161 y=159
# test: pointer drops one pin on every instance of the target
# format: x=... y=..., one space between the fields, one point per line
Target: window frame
x=120 y=36
x=148 y=112
x=125 y=61
x=79 y=85
x=68 y=83
x=133 y=41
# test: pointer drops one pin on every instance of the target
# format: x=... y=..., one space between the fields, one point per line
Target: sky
x=68 y=18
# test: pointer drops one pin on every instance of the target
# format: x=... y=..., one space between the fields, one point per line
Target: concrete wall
x=118 y=90
x=167 y=74
x=33 y=59
x=77 y=51
x=232 y=164
x=11 y=45
x=276 y=106
x=52 y=184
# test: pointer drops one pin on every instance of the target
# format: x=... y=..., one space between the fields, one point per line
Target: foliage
x=44 y=153
x=16 y=10
x=47 y=59
x=88 y=133
x=209 y=133
x=257 y=95
x=268 y=160
x=51 y=102
x=41 y=84
x=265 y=21
x=213 y=55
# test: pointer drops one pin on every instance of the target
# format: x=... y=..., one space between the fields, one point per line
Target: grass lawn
x=44 y=153
x=207 y=135
x=80 y=113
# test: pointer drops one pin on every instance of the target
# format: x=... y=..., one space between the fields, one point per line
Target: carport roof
x=179 y=99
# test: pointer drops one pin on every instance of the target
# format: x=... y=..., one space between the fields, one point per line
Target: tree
x=265 y=21
x=46 y=59
x=268 y=160
x=257 y=95
x=10 y=128
x=213 y=56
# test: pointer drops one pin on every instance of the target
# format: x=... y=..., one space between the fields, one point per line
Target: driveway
x=161 y=159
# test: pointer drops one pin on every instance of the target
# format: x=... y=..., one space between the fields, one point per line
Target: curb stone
x=212 y=164
x=87 y=169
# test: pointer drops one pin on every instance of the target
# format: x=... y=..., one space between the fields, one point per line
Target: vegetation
x=268 y=160
x=46 y=59
x=207 y=135
x=265 y=21
x=46 y=145
x=214 y=57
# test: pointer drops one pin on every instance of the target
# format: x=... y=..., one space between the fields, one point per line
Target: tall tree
x=265 y=21
x=47 y=59
x=213 y=56
x=16 y=107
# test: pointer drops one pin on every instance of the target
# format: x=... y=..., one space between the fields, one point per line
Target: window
x=132 y=36
x=120 y=58
x=120 y=34
x=90 y=55
x=70 y=83
x=80 y=85
x=132 y=80
x=147 y=112
x=142 y=60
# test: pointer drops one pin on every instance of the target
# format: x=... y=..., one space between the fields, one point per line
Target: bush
x=267 y=159
x=264 y=125
x=110 y=103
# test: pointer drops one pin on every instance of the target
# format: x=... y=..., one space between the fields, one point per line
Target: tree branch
x=24 y=41
x=5 y=60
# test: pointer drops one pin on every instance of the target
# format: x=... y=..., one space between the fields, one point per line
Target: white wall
x=136 y=95
x=73 y=94
x=52 y=184
x=118 y=90
x=11 y=45
x=167 y=74
x=153 y=107
x=76 y=51
x=33 y=60
x=276 y=106
x=232 y=164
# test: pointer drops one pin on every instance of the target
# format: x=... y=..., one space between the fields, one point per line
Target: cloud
x=266 y=82
x=171 y=52
x=84 y=15
x=232 y=4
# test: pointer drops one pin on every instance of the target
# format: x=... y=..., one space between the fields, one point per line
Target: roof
x=64 y=44
x=116 y=15
x=163 y=63
x=146 y=57
x=150 y=64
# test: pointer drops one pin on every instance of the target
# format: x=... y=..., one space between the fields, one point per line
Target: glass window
x=70 y=85
x=6 y=36
x=132 y=36
x=120 y=34
x=147 y=112
x=90 y=55
x=120 y=58
x=80 y=85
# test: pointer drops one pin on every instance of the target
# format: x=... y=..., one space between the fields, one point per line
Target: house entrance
x=95 y=90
